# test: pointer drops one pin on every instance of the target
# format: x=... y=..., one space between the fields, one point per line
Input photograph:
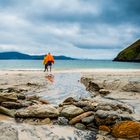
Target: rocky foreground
x=111 y=113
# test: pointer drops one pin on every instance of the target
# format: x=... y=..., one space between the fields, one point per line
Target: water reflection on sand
x=63 y=85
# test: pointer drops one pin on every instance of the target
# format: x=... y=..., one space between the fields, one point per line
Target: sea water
x=67 y=64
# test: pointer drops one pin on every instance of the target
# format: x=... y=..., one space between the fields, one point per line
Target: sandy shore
x=63 y=84
x=71 y=70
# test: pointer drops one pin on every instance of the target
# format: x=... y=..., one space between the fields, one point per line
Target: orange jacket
x=47 y=58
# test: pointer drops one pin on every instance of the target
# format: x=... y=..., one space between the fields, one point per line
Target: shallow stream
x=62 y=86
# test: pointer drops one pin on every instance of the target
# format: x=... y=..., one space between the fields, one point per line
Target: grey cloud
x=67 y=27
x=109 y=12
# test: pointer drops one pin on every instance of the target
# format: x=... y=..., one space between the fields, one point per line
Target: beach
x=123 y=86
x=63 y=84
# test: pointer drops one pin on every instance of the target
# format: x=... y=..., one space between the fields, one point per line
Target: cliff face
x=130 y=54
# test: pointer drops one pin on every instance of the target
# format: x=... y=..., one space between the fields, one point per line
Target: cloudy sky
x=96 y=29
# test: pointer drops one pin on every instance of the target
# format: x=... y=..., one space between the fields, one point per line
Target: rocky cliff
x=130 y=54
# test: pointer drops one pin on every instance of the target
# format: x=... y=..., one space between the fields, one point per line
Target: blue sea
x=66 y=64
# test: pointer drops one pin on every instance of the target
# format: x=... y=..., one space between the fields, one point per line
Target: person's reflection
x=50 y=78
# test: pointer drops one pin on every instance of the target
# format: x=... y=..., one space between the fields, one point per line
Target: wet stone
x=71 y=111
x=62 y=121
x=88 y=120
x=80 y=126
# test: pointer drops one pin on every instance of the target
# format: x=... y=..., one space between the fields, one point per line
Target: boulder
x=13 y=105
x=115 y=106
x=38 y=111
x=6 y=111
x=132 y=86
x=85 y=80
x=71 y=111
x=34 y=121
x=106 y=117
x=80 y=117
x=126 y=129
x=9 y=95
x=92 y=86
x=5 y=99
x=110 y=117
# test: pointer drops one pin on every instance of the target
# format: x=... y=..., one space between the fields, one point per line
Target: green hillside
x=130 y=54
x=18 y=55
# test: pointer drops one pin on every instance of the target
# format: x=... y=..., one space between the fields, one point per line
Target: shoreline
x=73 y=70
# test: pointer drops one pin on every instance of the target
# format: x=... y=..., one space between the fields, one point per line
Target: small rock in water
x=80 y=126
x=62 y=121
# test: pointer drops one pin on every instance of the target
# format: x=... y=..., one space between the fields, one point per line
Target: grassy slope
x=131 y=53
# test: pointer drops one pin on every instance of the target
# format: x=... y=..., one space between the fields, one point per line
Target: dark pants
x=48 y=64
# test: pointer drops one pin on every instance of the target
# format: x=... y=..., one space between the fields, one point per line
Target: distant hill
x=17 y=55
x=130 y=54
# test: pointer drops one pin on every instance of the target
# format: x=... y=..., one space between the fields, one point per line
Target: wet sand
x=4 y=117
x=61 y=84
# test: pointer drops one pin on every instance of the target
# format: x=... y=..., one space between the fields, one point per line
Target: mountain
x=17 y=55
x=130 y=54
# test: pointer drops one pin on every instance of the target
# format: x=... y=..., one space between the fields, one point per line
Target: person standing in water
x=48 y=61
